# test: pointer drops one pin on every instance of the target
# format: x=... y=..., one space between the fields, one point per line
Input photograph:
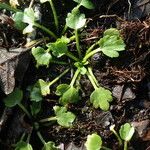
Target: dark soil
x=128 y=77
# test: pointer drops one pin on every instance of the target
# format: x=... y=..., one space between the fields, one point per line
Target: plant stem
x=91 y=80
x=57 y=78
x=31 y=3
x=116 y=134
x=41 y=138
x=48 y=119
x=28 y=138
x=8 y=7
x=105 y=148
x=54 y=14
x=64 y=29
x=22 y=137
x=91 y=54
x=25 y=110
x=125 y=145
x=92 y=75
x=91 y=47
x=45 y=29
x=69 y=54
x=74 y=77
x=77 y=44
x=59 y=62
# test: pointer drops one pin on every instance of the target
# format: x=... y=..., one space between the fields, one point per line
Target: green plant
x=126 y=132
x=94 y=142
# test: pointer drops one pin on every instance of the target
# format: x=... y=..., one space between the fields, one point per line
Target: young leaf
x=101 y=98
x=35 y=93
x=29 y=18
x=86 y=3
x=126 y=132
x=49 y=146
x=14 y=98
x=94 y=142
x=59 y=48
x=18 y=19
x=61 y=89
x=44 y=86
x=70 y=96
x=81 y=67
x=35 y=108
x=111 y=43
x=64 y=118
x=23 y=146
x=42 y=56
x=75 y=19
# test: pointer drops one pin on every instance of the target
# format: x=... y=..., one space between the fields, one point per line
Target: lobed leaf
x=101 y=98
x=64 y=118
x=86 y=3
x=71 y=95
x=35 y=108
x=75 y=19
x=13 y=98
x=126 y=132
x=111 y=43
x=61 y=89
x=94 y=142
x=41 y=56
x=44 y=86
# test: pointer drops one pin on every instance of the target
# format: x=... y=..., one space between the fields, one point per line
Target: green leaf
x=13 y=98
x=61 y=89
x=126 y=132
x=75 y=19
x=23 y=146
x=111 y=43
x=101 y=98
x=69 y=96
x=86 y=3
x=81 y=67
x=94 y=142
x=64 y=118
x=59 y=48
x=44 y=86
x=42 y=56
x=35 y=108
x=49 y=146
x=18 y=19
x=35 y=93
x=29 y=18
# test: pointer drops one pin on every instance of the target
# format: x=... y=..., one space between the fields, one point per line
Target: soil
x=128 y=77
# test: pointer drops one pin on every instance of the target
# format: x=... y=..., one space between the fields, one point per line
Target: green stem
x=72 y=38
x=54 y=14
x=48 y=119
x=92 y=75
x=41 y=138
x=77 y=44
x=64 y=29
x=74 y=77
x=25 y=110
x=87 y=56
x=22 y=137
x=59 y=62
x=125 y=145
x=28 y=138
x=91 y=47
x=45 y=29
x=116 y=134
x=69 y=54
x=57 y=78
x=105 y=148
x=8 y=7
x=91 y=80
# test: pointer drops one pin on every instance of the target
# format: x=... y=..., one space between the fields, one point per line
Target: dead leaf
x=14 y=3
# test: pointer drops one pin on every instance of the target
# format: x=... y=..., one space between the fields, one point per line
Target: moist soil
x=128 y=77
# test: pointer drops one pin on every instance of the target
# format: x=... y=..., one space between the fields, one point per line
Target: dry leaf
x=14 y=3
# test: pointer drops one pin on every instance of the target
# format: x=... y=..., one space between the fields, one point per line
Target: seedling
x=126 y=132
x=63 y=117
x=94 y=142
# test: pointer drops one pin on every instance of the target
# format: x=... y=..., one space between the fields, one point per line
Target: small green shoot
x=21 y=145
x=94 y=142
x=126 y=132
x=63 y=117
